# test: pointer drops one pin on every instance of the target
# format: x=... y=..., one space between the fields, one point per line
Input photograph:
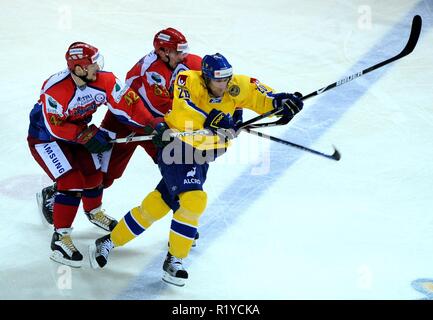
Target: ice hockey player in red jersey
x=152 y=78
x=68 y=147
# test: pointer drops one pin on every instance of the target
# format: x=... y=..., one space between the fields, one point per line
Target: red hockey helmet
x=83 y=54
x=172 y=39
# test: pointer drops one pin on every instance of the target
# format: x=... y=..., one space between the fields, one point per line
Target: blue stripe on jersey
x=133 y=225
x=126 y=120
x=37 y=128
x=192 y=105
x=183 y=229
x=92 y=193
x=68 y=200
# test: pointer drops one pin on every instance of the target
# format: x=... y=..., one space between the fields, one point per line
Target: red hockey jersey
x=67 y=108
x=153 y=80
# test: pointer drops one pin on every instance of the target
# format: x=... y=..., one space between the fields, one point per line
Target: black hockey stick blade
x=336 y=155
x=414 y=36
x=410 y=46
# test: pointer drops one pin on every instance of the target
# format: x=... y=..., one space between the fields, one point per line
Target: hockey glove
x=94 y=139
x=237 y=118
x=291 y=104
x=161 y=136
x=220 y=123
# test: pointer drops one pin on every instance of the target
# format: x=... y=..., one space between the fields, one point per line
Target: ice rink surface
x=280 y=223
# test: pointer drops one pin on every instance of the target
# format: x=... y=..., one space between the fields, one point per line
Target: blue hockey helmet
x=216 y=66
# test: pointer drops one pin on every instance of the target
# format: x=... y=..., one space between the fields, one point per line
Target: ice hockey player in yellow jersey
x=211 y=99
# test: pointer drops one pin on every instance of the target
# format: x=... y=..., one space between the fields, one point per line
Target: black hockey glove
x=220 y=123
x=237 y=118
x=291 y=104
x=161 y=136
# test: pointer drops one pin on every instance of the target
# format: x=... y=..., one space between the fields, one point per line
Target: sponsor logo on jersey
x=83 y=100
x=181 y=80
x=53 y=158
x=99 y=98
x=191 y=181
x=215 y=100
x=234 y=90
x=81 y=111
x=85 y=103
x=53 y=106
x=191 y=173
x=190 y=177
x=118 y=91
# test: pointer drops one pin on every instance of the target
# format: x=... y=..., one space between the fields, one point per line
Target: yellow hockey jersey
x=192 y=104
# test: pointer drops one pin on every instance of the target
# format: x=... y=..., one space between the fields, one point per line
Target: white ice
x=280 y=223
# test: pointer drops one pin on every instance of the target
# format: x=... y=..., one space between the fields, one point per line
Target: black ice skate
x=64 y=250
x=45 y=200
x=99 y=218
x=174 y=272
x=99 y=251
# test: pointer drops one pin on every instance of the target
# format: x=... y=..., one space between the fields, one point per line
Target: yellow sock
x=139 y=218
x=185 y=222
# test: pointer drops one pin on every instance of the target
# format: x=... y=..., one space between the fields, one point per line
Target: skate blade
x=58 y=257
x=178 y=282
x=39 y=200
x=92 y=257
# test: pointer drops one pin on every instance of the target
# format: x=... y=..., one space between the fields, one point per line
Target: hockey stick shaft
x=132 y=138
x=192 y=133
x=335 y=156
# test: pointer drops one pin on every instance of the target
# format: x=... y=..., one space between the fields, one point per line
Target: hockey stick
x=410 y=46
x=133 y=138
x=335 y=156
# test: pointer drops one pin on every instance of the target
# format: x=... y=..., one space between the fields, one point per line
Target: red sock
x=92 y=198
x=64 y=210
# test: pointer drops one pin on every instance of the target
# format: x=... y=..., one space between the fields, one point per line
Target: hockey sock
x=185 y=222
x=139 y=218
x=65 y=208
x=92 y=198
